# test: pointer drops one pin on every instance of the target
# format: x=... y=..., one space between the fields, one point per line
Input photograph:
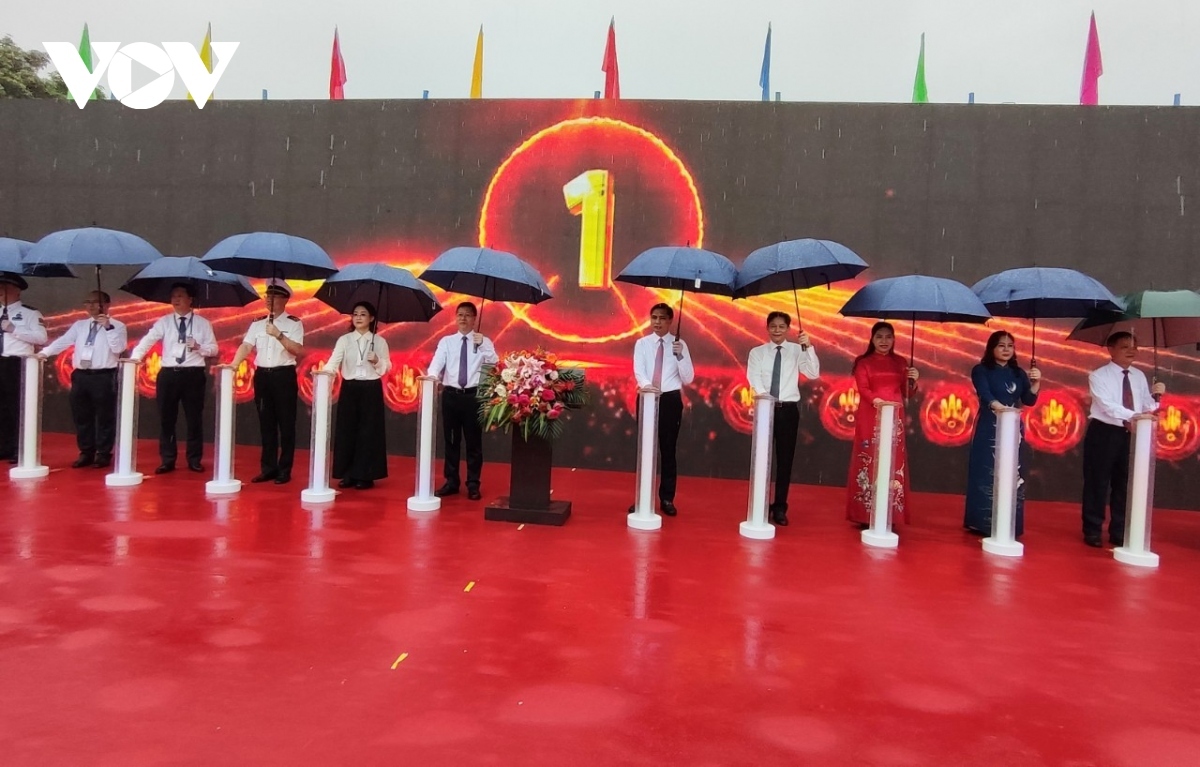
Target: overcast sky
x=1025 y=51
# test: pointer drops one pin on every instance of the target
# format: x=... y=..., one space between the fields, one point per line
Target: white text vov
x=117 y=60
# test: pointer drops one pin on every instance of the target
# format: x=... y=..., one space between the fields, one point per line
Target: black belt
x=275 y=369
x=464 y=391
x=180 y=369
x=93 y=371
x=787 y=404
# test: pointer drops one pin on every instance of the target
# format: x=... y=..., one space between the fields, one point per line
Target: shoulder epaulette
x=293 y=318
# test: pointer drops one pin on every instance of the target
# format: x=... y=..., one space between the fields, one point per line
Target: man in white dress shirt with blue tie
x=662 y=361
x=775 y=368
x=187 y=339
x=456 y=364
x=21 y=329
x=98 y=342
x=1119 y=392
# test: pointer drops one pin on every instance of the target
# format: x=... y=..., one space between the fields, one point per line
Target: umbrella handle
x=796 y=298
x=482 y=303
x=912 y=352
x=679 y=325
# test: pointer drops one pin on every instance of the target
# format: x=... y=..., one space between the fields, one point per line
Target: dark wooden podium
x=528 y=498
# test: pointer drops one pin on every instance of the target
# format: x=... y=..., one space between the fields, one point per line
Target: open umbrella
x=270 y=255
x=213 y=289
x=1043 y=293
x=796 y=265
x=491 y=275
x=1167 y=317
x=91 y=246
x=12 y=255
x=683 y=269
x=916 y=297
x=398 y=296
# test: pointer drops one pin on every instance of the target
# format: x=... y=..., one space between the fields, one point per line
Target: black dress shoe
x=103 y=461
x=365 y=484
x=669 y=509
x=283 y=478
x=83 y=460
x=473 y=493
x=779 y=518
x=1093 y=541
x=196 y=467
x=165 y=468
x=345 y=483
x=1117 y=542
x=446 y=489
x=266 y=476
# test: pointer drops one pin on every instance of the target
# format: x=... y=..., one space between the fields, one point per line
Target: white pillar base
x=1135 y=558
x=223 y=487
x=317 y=495
x=417 y=503
x=28 y=472
x=644 y=521
x=757 y=532
x=1004 y=548
x=880 y=540
x=123 y=480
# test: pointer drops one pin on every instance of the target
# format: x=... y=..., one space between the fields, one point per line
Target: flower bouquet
x=528 y=391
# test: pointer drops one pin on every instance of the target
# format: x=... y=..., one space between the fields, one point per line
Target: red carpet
x=152 y=626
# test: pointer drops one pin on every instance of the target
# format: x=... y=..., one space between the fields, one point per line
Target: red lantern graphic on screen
x=948 y=414
x=737 y=405
x=401 y=390
x=243 y=382
x=1178 y=435
x=839 y=406
x=304 y=370
x=1055 y=423
x=147 y=374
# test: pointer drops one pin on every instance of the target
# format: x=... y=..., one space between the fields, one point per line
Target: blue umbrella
x=213 y=289
x=1044 y=293
x=796 y=265
x=270 y=254
x=683 y=269
x=487 y=274
x=12 y=254
x=398 y=296
x=916 y=297
x=91 y=246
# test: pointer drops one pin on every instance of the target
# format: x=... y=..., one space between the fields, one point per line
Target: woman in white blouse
x=361 y=358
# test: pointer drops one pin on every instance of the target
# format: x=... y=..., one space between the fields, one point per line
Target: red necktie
x=1126 y=392
x=656 y=380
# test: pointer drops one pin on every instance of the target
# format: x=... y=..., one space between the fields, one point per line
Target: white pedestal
x=125 y=473
x=756 y=525
x=1139 y=506
x=880 y=534
x=29 y=451
x=223 y=481
x=318 y=490
x=423 y=499
x=1003 y=540
x=644 y=516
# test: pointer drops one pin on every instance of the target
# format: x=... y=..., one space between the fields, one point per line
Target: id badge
x=85 y=357
x=362 y=370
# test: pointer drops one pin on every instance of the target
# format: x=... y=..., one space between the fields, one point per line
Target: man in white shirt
x=276 y=340
x=1119 y=392
x=98 y=342
x=456 y=363
x=187 y=339
x=662 y=361
x=775 y=368
x=21 y=329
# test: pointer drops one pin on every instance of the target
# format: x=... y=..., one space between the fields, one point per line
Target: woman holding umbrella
x=1000 y=383
x=361 y=358
x=881 y=375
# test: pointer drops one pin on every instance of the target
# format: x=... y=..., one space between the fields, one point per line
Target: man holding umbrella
x=276 y=340
x=187 y=338
x=98 y=341
x=456 y=364
x=21 y=329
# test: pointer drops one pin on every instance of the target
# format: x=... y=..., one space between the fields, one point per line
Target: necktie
x=182 y=340
x=91 y=339
x=3 y=317
x=1126 y=392
x=656 y=380
x=776 y=372
x=462 y=365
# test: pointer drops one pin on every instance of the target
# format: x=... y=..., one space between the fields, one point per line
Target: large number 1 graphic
x=590 y=195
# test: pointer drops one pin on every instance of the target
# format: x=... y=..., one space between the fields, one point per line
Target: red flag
x=1093 y=67
x=612 y=80
x=337 y=71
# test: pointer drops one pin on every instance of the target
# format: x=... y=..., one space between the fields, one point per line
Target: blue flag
x=764 y=79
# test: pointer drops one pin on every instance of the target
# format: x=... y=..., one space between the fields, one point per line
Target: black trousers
x=10 y=405
x=359 y=442
x=670 y=418
x=1105 y=478
x=460 y=423
x=275 y=393
x=787 y=425
x=180 y=386
x=94 y=410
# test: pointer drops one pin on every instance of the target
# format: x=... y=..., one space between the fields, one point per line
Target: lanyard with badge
x=87 y=351
x=362 y=369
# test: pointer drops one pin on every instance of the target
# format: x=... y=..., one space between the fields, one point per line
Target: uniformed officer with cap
x=21 y=329
x=276 y=340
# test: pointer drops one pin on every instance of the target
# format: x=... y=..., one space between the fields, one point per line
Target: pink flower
x=553 y=414
x=523 y=399
x=548 y=395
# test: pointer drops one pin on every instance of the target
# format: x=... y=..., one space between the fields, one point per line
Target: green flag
x=920 y=90
x=85 y=53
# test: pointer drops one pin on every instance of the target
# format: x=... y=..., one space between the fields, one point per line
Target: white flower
x=553 y=375
x=501 y=391
x=508 y=375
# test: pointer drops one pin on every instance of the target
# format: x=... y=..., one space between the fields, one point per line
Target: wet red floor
x=152 y=626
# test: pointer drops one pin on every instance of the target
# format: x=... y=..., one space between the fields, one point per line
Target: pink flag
x=612 y=78
x=1093 y=67
x=337 y=71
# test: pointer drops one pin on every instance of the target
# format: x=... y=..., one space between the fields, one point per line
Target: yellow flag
x=477 y=70
x=206 y=58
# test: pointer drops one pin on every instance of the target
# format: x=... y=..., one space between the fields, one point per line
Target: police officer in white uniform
x=21 y=329
x=276 y=340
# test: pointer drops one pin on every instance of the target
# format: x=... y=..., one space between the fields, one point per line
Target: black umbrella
x=213 y=289
x=12 y=260
x=398 y=296
x=487 y=274
x=270 y=254
x=684 y=269
x=91 y=246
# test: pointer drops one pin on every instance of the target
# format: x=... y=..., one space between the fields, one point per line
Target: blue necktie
x=182 y=340
x=462 y=365
x=777 y=372
x=91 y=339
